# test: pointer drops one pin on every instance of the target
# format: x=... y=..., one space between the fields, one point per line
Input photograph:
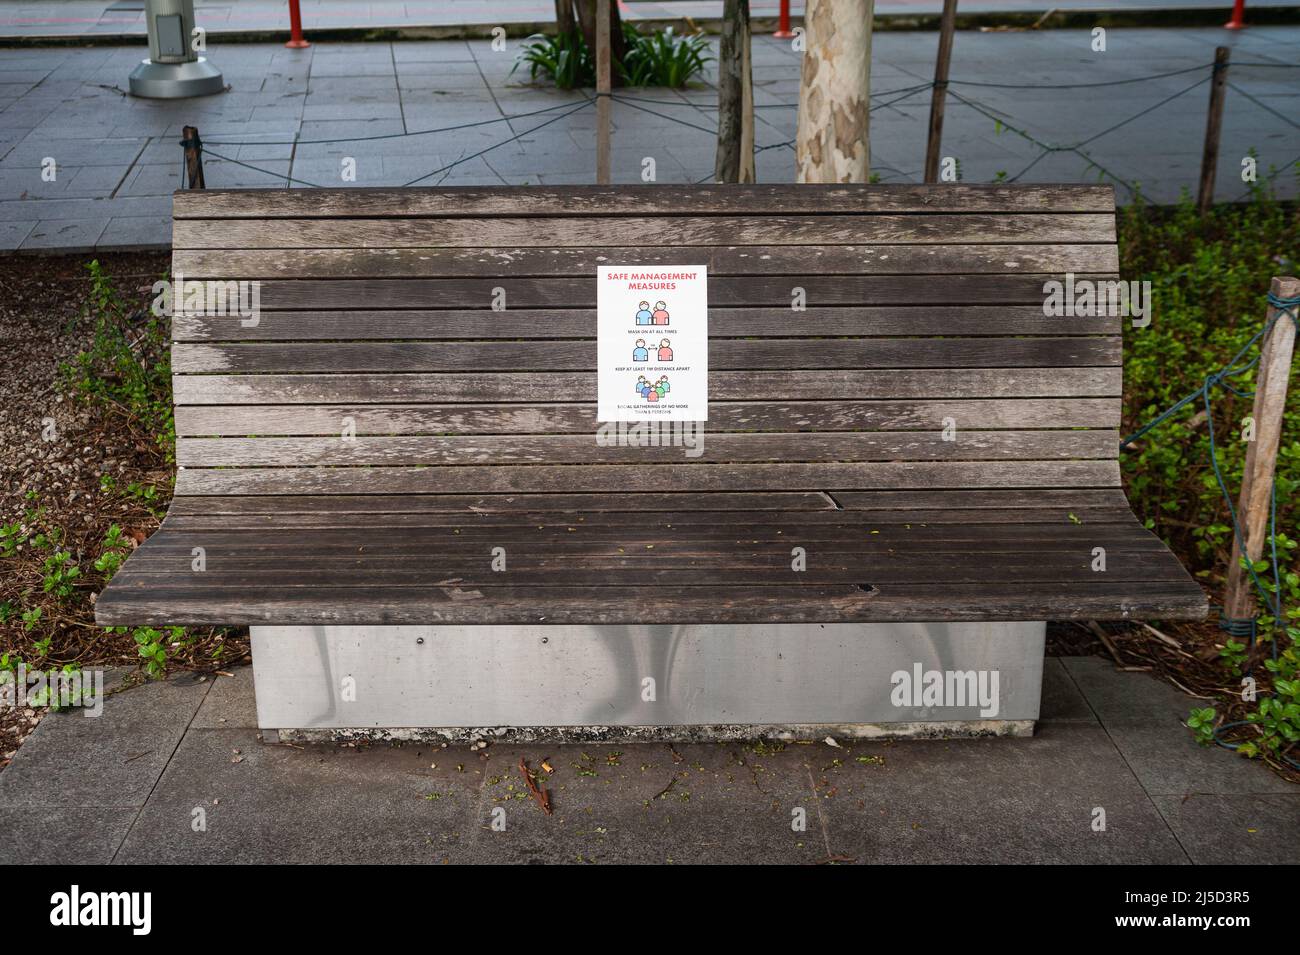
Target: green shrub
x=661 y=58
x=127 y=368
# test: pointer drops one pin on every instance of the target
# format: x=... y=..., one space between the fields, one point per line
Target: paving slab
x=62 y=836
x=175 y=772
x=1235 y=830
x=652 y=804
x=113 y=760
x=994 y=801
x=289 y=804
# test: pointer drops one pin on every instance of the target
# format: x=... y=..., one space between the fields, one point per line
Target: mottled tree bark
x=617 y=45
x=564 y=21
x=735 y=156
x=831 y=141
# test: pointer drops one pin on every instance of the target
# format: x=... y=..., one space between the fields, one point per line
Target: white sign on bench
x=652 y=330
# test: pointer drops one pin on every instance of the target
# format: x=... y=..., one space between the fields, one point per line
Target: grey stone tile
x=73 y=235
x=1168 y=761
x=113 y=760
x=13 y=232
x=1125 y=697
x=1062 y=700
x=137 y=232
x=1236 y=830
x=230 y=704
x=994 y=801
x=292 y=804
x=59 y=836
x=616 y=804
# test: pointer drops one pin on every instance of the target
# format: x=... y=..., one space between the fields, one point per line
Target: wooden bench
x=474 y=428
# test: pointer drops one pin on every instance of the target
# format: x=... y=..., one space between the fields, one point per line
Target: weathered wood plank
x=581 y=386
x=603 y=571
x=143 y=602
x=666 y=231
x=725 y=354
x=288 y=420
x=1013 y=498
x=754 y=291
x=584 y=449
x=322 y=514
x=664 y=477
x=538 y=323
x=639 y=199
x=721 y=261
x=473 y=505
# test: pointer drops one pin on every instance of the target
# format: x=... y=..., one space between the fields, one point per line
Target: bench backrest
x=923 y=304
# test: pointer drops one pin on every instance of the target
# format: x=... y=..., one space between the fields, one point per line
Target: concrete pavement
x=116 y=159
x=128 y=787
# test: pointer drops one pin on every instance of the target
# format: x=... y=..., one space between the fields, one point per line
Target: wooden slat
x=743 y=502
x=323 y=514
x=902 y=501
x=677 y=232
x=514 y=323
x=728 y=354
x=664 y=477
x=583 y=449
x=354 y=539
x=638 y=199
x=757 y=291
x=288 y=420
x=721 y=261
x=533 y=568
x=581 y=386
x=145 y=602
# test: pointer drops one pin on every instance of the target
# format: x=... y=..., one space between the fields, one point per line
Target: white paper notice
x=652 y=354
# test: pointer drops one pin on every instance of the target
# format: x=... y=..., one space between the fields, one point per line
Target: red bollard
x=1238 y=21
x=783 y=31
x=296 y=42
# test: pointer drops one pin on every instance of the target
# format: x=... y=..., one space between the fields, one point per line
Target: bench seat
x=425 y=560
x=886 y=391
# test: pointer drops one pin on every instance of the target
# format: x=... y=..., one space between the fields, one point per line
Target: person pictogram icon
x=640 y=352
x=660 y=315
x=665 y=350
x=643 y=314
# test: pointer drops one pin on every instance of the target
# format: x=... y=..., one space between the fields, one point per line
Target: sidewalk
x=125 y=18
x=118 y=159
x=125 y=788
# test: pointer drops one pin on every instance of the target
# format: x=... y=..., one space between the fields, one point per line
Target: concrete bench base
x=800 y=681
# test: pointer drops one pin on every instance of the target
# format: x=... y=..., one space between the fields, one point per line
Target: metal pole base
x=649 y=682
x=176 y=80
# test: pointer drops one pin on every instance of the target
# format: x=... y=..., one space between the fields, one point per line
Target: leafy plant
x=661 y=58
x=114 y=553
x=564 y=59
x=127 y=368
x=1202 y=723
x=60 y=571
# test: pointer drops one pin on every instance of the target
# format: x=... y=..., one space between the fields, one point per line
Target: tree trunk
x=564 y=21
x=617 y=45
x=735 y=156
x=831 y=141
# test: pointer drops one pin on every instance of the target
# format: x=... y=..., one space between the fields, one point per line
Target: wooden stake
x=734 y=161
x=1261 y=457
x=1213 y=126
x=193 y=157
x=602 y=92
x=934 y=143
